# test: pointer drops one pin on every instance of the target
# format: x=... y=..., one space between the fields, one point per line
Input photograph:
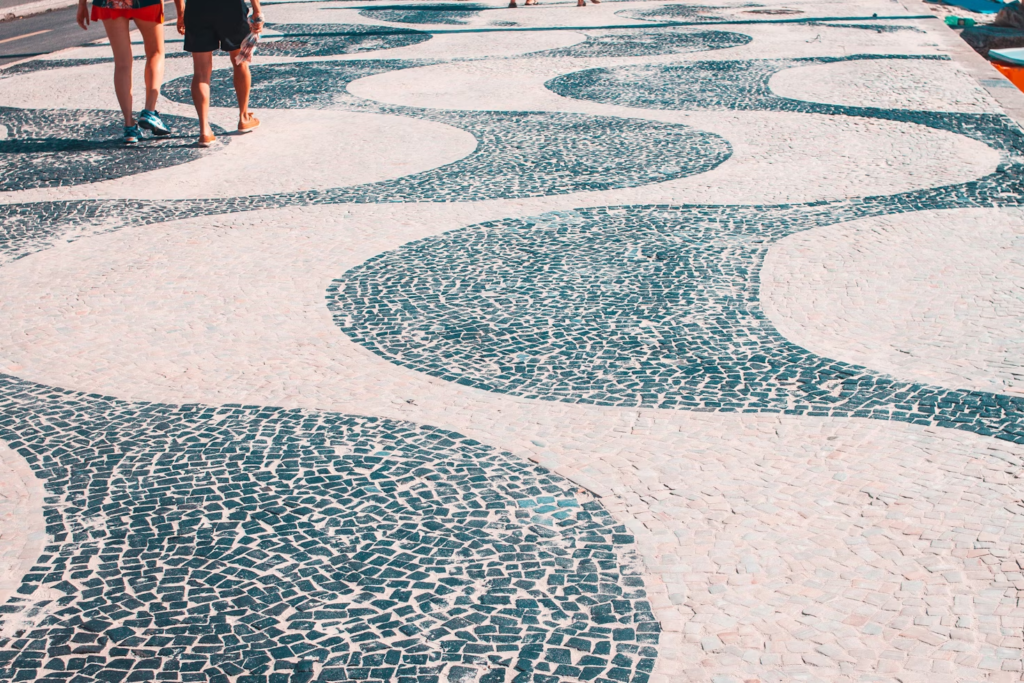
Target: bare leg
x=202 y=70
x=121 y=44
x=153 y=38
x=243 y=84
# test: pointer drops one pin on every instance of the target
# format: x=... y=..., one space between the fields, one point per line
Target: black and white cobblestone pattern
x=743 y=85
x=64 y=147
x=652 y=306
x=647 y=43
x=424 y=14
x=248 y=543
x=324 y=40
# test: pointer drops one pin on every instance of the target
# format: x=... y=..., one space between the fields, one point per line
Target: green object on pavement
x=959 y=21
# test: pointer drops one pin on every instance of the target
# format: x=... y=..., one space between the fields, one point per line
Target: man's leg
x=202 y=71
x=243 y=84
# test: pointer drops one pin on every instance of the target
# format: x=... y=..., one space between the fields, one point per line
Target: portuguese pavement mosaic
x=646 y=342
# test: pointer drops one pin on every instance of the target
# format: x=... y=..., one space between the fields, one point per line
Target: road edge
x=995 y=83
x=30 y=9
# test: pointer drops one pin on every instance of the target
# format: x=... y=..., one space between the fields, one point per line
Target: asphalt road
x=49 y=32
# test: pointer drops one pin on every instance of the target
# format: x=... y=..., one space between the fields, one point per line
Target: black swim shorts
x=210 y=24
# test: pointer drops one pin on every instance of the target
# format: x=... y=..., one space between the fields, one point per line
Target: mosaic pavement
x=649 y=342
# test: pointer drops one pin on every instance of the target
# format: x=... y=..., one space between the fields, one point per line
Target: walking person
x=148 y=16
x=207 y=25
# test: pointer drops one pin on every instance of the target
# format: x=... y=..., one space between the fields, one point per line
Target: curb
x=998 y=86
x=32 y=8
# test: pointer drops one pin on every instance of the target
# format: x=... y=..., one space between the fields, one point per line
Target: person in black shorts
x=208 y=25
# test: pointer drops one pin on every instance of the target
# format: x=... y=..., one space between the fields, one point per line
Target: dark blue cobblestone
x=66 y=147
x=743 y=85
x=322 y=40
x=652 y=306
x=449 y=13
x=228 y=543
x=647 y=43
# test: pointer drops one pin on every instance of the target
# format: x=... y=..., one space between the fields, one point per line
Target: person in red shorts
x=208 y=25
x=148 y=16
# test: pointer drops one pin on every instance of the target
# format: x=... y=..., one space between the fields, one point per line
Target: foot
x=513 y=4
x=150 y=120
x=206 y=139
x=132 y=134
x=248 y=123
x=581 y=3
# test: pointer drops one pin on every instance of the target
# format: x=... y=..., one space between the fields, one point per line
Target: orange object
x=1013 y=72
x=153 y=13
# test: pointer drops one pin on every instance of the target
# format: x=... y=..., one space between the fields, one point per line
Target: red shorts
x=153 y=13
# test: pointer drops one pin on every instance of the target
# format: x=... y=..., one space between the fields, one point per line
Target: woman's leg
x=153 y=39
x=121 y=43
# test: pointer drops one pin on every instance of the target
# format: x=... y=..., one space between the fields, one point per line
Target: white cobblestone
x=775 y=547
x=931 y=296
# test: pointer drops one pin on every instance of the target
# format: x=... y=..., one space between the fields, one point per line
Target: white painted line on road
x=32 y=8
x=27 y=35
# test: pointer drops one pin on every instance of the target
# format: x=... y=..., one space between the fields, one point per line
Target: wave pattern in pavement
x=626 y=306
x=242 y=540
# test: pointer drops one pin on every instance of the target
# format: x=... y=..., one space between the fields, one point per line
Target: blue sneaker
x=132 y=134
x=150 y=120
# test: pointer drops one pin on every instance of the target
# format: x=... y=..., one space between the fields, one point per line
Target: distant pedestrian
x=148 y=16
x=207 y=25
